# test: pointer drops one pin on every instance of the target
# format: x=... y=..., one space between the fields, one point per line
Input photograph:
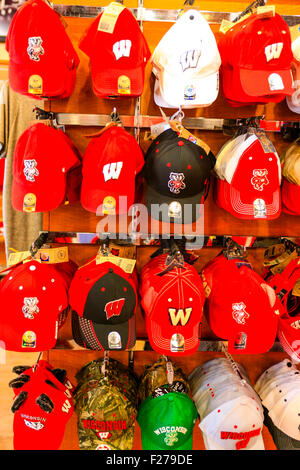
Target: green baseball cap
x=167 y=422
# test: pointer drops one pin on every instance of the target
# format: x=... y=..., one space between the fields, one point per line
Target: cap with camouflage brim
x=159 y=374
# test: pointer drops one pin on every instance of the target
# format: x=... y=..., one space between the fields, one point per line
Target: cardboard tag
x=286 y=258
x=15 y=258
x=226 y=25
x=35 y=85
x=124 y=85
x=158 y=129
x=53 y=255
x=266 y=143
x=266 y=11
x=272 y=254
x=109 y=17
x=109 y=205
x=29 y=202
x=185 y=134
x=124 y=263
x=296 y=288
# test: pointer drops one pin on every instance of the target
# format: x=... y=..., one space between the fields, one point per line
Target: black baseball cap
x=177 y=173
x=103 y=299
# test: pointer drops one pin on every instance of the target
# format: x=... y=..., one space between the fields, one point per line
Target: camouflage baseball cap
x=106 y=406
x=158 y=375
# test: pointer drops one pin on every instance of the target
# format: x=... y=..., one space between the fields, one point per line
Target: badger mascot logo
x=259 y=179
x=30 y=307
x=30 y=170
x=35 y=48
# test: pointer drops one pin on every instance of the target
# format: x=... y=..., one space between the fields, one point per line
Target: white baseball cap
x=231 y=414
x=186 y=64
x=279 y=389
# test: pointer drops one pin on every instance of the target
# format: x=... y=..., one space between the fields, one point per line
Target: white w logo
x=189 y=59
x=112 y=171
x=273 y=51
x=122 y=48
x=181 y=316
x=66 y=406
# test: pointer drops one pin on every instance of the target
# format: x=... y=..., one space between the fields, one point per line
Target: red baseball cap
x=110 y=165
x=242 y=307
x=173 y=304
x=103 y=299
x=251 y=185
x=35 y=171
x=289 y=322
x=39 y=423
x=42 y=59
x=118 y=55
x=256 y=60
x=33 y=296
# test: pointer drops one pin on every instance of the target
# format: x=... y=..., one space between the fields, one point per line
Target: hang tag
x=109 y=205
x=266 y=143
x=266 y=11
x=170 y=372
x=53 y=255
x=124 y=263
x=29 y=202
x=35 y=85
x=272 y=254
x=285 y=260
x=185 y=134
x=159 y=128
x=15 y=258
x=226 y=25
x=296 y=288
x=109 y=17
x=124 y=85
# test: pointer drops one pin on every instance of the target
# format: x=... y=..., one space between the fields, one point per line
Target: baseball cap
x=110 y=165
x=186 y=64
x=177 y=174
x=118 y=53
x=290 y=190
x=35 y=170
x=241 y=306
x=103 y=299
x=106 y=406
x=33 y=297
x=231 y=414
x=173 y=305
x=279 y=390
x=42 y=407
x=40 y=67
x=283 y=284
x=256 y=60
x=251 y=177
x=293 y=101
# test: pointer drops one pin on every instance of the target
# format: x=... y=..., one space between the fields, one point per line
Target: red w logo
x=114 y=308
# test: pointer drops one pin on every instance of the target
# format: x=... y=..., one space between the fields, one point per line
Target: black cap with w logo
x=103 y=300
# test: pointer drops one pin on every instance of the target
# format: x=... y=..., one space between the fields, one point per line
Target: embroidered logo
x=189 y=59
x=176 y=183
x=259 y=179
x=171 y=438
x=30 y=307
x=122 y=48
x=30 y=170
x=243 y=438
x=111 y=171
x=37 y=426
x=180 y=315
x=239 y=313
x=103 y=435
x=114 y=308
x=35 y=48
x=273 y=51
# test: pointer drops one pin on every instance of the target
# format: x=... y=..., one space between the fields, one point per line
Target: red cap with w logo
x=103 y=300
x=173 y=304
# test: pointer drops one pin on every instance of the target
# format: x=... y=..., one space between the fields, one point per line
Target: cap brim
x=191 y=207
x=94 y=336
x=196 y=92
x=281 y=440
x=105 y=81
x=147 y=444
x=262 y=82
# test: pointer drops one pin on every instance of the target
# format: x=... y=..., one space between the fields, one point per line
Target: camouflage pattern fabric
x=106 y=406
x=155 y=376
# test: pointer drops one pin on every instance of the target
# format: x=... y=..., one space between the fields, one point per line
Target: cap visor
x=189 y=211
x=190 y=93
x=96 y=336
x=290 y=194
x=282 y=441
x=107 y=82
x=262 y=82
